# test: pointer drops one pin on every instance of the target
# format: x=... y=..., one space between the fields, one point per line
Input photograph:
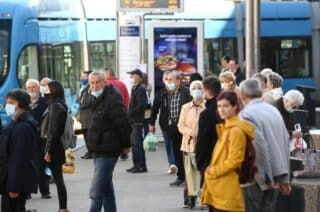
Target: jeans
x=138 y=153
x=101 y=190
x=257 y=200
x=176 y=139
x=169 y=148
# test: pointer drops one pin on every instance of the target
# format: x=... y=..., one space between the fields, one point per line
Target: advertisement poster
x=176 y=48
x=149 y=5
x=129 y=45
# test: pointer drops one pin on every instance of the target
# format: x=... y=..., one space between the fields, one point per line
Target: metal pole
x=316 y=44
x=256 y=34
x=240 y=35
x=142 y=39
x=249 y=38
x=117 y=46
x=85 y=38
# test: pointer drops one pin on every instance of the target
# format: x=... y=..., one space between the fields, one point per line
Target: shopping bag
x=150 y=142
x=68 y=166
x=193 y=176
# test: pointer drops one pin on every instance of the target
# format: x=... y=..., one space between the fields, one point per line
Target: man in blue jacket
x=22 y=152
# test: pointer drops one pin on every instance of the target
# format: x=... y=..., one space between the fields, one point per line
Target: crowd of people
x=206 y=129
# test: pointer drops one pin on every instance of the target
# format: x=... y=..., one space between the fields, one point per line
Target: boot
x=192 y=201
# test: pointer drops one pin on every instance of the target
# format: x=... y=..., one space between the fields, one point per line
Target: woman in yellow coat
x=221 y=188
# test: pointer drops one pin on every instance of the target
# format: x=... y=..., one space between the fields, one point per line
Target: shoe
x=173 y=169
x=46 y=196
x=131 y=169
x=139 y=170
x=176 y=183
x=87 y=156
x=31 y=210
x=185 y=206
x=124 y=156
x=192 y=201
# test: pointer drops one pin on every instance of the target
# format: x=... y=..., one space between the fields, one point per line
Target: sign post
x=129 y=32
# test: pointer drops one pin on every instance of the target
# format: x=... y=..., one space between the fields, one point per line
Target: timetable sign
x=150 y=5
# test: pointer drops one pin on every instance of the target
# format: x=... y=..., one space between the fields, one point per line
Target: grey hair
x=275 y=79
x=251 y=88
x=99 y=74
x=47 y=79
x=177 y=74
x=295 y=97
x=195 y=83
x=32 y=81
x=266 y=71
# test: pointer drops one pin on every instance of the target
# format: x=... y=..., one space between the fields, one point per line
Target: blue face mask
x=84 y=81
x=171 y=86
x=97 y=93
x=132 y=82
x=197 y=94
x=290 y=110
x=10 y=110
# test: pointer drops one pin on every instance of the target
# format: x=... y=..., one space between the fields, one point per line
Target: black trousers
x=43 y=178
x=13 y=205
x=85 y=133
x=61 y=188
x=176 y=139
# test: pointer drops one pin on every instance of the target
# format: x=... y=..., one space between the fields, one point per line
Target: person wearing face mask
x=229 y=83
x=137 y=106
x=22 y=145
x=287 y=105
x=178 y=96
x=159 y=106
x=52 y=128
x=188 y=127
x=85 y=101
x=38 y=106
x=108 y=136
x=43 y=83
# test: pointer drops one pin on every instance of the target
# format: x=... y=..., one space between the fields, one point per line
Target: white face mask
x=42 y=89
x=10 y=110
x=97 y=93
x=33 y=95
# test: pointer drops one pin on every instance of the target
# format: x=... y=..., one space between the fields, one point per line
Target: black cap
x=87 y=71
x=136 y=71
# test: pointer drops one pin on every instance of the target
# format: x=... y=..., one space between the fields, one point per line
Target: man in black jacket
x=22 y=147
x=108 y=135
x=178 y=96
x=137 y=106
x=160 y=105
x=207 y=134
x=38 y=106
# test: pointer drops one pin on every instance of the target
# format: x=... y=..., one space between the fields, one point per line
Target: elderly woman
x=229 y=83
x=221 y=187
x=274 y=90
x=188 y=127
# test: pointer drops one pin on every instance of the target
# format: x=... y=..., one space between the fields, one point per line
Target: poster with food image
x=176 y=47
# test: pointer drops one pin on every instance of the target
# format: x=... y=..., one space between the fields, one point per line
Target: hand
x=152 y=129
x=296 y=134
x=273 y=186
x=13 y=195
x=47 y=157
x=285 y=189
x=126 y=150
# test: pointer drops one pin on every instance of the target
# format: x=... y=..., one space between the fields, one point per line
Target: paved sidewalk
x=147 y=192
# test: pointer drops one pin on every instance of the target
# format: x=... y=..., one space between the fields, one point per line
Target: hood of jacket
x=235 y=121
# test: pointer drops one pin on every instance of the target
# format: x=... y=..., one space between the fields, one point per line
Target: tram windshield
x=5 y=26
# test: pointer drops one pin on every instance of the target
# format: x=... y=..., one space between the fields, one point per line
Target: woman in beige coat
x=188 y=127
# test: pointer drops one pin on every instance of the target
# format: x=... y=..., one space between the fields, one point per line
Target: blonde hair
x=227 y=75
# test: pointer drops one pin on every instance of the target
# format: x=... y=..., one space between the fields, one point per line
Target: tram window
x=291 y=57
x=102 y=54
x=215 y=49
x=5 y=26
x=28 y=64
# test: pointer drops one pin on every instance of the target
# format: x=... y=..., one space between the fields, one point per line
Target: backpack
x=68 y=138
x=248 y=167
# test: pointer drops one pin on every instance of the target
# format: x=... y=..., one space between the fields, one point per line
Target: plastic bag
x=150 y=142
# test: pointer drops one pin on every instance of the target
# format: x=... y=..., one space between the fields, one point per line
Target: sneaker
x=173 y=169
x=185 y=206
x=46 y=196
x=177 y=183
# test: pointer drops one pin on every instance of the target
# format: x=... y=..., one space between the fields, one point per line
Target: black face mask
x=47 y=95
